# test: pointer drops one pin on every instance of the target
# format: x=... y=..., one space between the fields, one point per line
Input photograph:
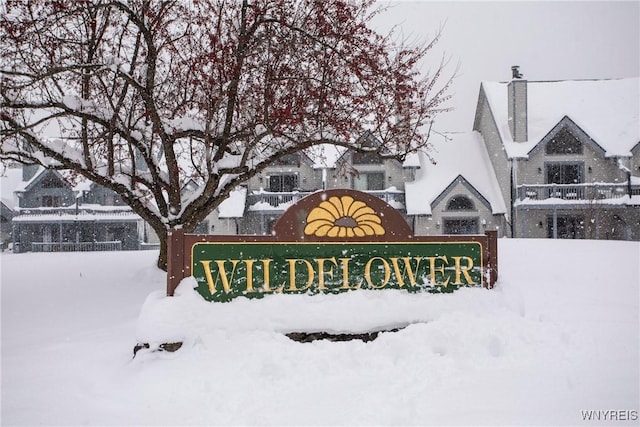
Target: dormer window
x=564 y=143
x=460 y=203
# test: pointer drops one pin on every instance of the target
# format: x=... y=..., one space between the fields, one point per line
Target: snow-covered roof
x=455 y=154
x=233 y=206
x=10 y=178
x=325 y=156
x=607 y=110
x=81 y=216
x=411 y=161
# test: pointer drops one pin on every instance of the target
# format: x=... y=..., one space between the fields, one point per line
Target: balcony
x=280 y=201
x=574 y=193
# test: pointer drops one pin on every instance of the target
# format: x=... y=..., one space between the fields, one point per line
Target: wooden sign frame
x=330 y=216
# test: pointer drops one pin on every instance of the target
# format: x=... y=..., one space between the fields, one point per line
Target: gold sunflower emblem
x=343 y=217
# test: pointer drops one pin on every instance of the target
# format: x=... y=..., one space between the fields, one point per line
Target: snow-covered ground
x=558 y=336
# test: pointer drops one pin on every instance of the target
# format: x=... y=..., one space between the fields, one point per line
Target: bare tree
x=140 y=96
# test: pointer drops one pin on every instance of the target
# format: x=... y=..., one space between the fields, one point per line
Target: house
x=226 y=219
x=276 y=188
x=280 y=185
x=451 y=195
x=545 y=159
x=59 y=211
x=566 y=155
x=456 y=191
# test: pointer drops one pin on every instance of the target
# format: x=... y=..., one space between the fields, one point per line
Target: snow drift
x=558 y=337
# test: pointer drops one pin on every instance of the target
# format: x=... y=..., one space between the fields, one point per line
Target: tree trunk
x=162 y=257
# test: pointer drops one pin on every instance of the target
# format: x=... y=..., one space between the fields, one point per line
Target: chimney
x=517 y=105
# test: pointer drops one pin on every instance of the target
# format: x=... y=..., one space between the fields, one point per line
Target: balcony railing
x=394 y=197
x=267 y=200
x=263 y=200
x=115 y=245
x=575 y=192
x=73 y=210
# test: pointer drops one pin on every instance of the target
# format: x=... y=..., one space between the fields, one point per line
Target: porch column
x=555 y=223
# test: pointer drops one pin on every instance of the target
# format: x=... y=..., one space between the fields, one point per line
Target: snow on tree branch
x=142 y=96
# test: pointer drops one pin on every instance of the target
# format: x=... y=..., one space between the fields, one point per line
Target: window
x=568 y=227
x=113 y=234
x=460 y=203
x=268 y=226
x=461 y=226
x=564 y=173
x=50 y=201
x=564 y=143
x=283 y=183
x=369 y=181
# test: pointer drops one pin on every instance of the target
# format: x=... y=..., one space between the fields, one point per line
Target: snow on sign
x=329 y=242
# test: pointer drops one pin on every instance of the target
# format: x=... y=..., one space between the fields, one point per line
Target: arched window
x=564 y=143
x=460 y=203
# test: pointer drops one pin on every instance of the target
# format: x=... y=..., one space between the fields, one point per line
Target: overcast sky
x=549 y=40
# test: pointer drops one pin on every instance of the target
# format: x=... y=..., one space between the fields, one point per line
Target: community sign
x=330 y=242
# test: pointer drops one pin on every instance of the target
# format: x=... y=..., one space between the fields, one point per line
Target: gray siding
x=435 y=223
x=38 y=195
x=486 y=125
x=394 y=174
x=309 y=179
x=100 y=195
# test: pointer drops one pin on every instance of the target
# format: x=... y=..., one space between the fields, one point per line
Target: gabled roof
x=40 y=175
x=461 y=180
x=606 y=110
x=369 y=140
x=567 y=123
x=325 y=156
x=5 y=211
x=74 y=181
x=457 y=155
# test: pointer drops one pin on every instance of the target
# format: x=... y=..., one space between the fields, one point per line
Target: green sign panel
x=224 y=271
